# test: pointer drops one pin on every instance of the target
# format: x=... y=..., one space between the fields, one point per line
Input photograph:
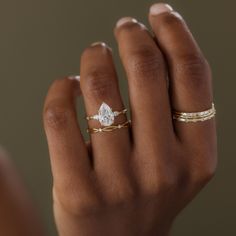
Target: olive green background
x=42 y=40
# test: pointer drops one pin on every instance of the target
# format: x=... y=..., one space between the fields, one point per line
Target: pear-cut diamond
x=106 y=116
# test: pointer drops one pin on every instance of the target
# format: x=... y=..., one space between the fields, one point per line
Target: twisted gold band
x=109 y=128
x=195 y=116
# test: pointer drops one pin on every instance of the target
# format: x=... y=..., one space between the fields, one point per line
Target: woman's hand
x=132 y=181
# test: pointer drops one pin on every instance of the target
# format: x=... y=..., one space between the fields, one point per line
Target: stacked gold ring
x=109 y=128
x=195 y=116
x=106 y=117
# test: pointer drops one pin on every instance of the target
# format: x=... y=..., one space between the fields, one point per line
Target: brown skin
x=132 y=181
x=17 y=214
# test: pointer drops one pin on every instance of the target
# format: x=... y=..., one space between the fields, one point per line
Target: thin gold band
x=195 y=116
x=109 y=128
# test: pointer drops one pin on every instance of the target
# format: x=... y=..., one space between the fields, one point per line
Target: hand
x=132 y=181
x=17 y=214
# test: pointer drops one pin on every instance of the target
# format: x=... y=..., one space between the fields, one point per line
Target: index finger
x=70 y=162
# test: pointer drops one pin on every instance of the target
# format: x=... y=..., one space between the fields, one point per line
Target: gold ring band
x=195 y=116
x=109 y=128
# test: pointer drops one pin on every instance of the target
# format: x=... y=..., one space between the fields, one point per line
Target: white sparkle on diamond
x=106 y=116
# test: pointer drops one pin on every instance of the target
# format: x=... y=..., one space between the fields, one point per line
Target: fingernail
x=177 y=14
x=159 y=8
x=74 y=77
x=102 y=44
x=143 y=26
x=124 y=20
x=98 y=44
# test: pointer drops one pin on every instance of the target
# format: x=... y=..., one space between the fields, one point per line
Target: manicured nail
x=159 y=8
x=98 y=44
x=102 y=44
x=74 y=77
x=124 y=20
x=177 y=14
x=143 y=26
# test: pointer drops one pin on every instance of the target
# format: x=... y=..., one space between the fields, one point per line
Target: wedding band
x=105 y=115
x=195 y=116
x=109 y=128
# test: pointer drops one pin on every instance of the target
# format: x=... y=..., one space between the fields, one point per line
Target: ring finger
x=99 y=84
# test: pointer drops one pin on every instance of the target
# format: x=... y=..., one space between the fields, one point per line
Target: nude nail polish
x=159 y=8
x=102 y=44
x=124 y=20
x=98 y=44
x=74 y=77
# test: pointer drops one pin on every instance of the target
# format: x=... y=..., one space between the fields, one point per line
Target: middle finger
x=147 y=79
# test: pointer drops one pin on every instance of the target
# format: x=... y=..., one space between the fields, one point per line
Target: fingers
x=68 y=153
x=190 y=83
x=189 y=69
x=147 y=80
x=190 y=75
x=99 y=84
x=17 y=215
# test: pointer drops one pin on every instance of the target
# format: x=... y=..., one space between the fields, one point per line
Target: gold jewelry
x=105 y=115
x=195 y=116
x=109 y=128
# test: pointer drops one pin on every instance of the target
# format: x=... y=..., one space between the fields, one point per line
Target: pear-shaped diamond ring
x=105 y=115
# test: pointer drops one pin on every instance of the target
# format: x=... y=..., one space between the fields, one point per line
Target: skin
x=132 y=181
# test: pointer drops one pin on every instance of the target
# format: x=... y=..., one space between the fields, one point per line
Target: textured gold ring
x=195 y=116
x=109 y=128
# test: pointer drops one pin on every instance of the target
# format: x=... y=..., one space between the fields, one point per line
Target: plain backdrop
x=42 y=40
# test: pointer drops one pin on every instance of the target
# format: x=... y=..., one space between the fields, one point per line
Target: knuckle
x=122 y=195
x=204 y=168
x=57 y=115
x=192 y=66
x=145 y=63
x=75 y=203
x=162 y=184
x=166 y=183
x=192 y=63
x=99 y=83
x=204 y=174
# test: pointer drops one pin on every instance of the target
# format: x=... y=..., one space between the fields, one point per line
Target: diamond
x=106 y=116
